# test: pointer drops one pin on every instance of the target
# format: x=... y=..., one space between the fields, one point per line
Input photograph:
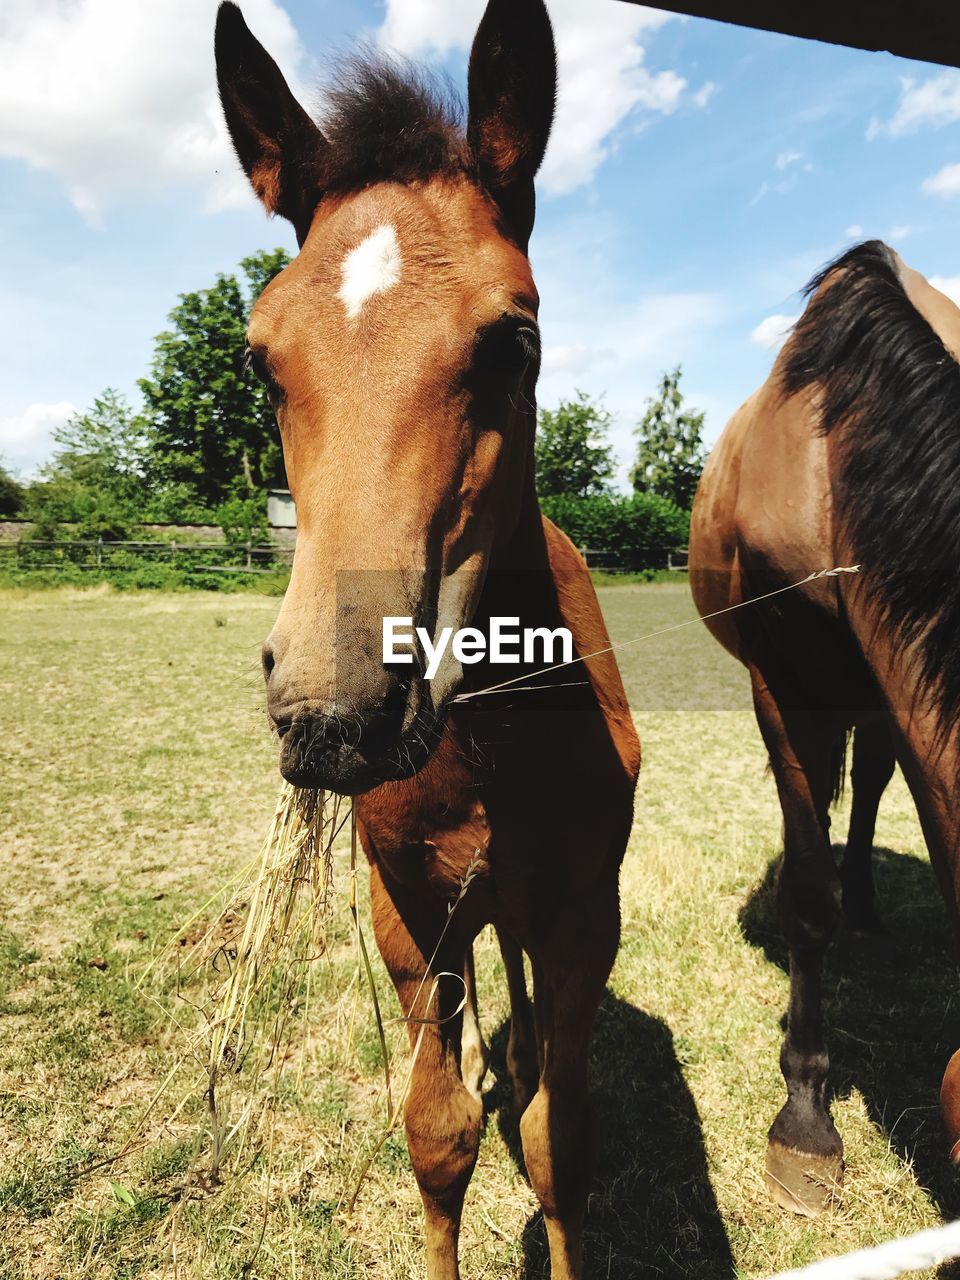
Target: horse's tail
x=838 y=766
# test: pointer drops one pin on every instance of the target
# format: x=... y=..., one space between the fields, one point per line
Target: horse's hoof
x=801 y=1182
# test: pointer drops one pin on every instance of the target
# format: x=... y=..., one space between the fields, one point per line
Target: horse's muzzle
x=350 y=755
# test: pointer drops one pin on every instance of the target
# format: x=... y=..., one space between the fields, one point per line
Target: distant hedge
x=637 y=529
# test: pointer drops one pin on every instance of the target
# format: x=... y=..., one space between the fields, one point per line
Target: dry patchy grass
x=139 y=777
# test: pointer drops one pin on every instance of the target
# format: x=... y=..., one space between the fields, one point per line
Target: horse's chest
x=432 y=832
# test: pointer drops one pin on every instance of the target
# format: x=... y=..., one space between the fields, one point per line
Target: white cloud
x=950 y=285
x=932 y=104
x=573 y=358
x=773 y=331
x=786 y=158
x=704 y=94
x=612 y=334
x=899 y=231
x=946 y=182
x=26 y=438
x=415 y=27
x=790 y=164
x=638 y=336
x=631 y=346
x=854 y=232
x=603 y=79
x=117 y=98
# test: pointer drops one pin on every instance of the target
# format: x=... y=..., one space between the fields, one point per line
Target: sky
x=697 y=176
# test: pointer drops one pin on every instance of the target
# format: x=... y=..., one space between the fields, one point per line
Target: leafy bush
x=637 y=530
x=46 y=525
x=244 y=520
x=143 y=577
x=175 y=504
x=60 y=512
x=11 y=494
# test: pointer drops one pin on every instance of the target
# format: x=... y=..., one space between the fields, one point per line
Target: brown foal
x=849 y=454
x=401 y=350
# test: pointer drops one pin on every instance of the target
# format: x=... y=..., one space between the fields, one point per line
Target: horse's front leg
x=443 y=1117
x=557 y=1128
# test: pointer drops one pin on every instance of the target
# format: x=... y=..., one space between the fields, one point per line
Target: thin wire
x=622 y=644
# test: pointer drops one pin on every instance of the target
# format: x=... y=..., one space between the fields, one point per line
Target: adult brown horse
x=401 y=351
x=849 y=453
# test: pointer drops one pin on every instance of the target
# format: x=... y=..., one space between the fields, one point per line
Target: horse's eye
x=507 y=348
x=255 y=362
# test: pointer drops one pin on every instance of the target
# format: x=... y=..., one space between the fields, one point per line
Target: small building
x=281 y=509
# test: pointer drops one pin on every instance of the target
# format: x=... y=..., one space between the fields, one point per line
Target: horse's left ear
x=512 y=93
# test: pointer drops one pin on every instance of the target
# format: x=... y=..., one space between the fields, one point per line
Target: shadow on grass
x=652 y=1210
x=891 y=1011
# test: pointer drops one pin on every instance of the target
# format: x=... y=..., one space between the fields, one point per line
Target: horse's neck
x=520 y=576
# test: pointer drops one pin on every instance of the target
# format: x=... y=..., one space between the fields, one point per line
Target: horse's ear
x=278 y=145
x=512 y=92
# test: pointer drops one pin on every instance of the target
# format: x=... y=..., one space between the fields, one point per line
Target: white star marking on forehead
x=372 y=267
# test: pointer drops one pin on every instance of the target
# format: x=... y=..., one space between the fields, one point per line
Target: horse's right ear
x=512 y=86
x=278 y=145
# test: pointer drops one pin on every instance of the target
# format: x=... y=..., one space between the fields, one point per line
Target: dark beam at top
x=925 y=29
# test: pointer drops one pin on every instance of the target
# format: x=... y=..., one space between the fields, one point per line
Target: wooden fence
x=250 y=557
x=101 y=554
x=673 y=558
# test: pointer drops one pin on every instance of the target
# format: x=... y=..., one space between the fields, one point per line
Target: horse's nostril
x=268 y=660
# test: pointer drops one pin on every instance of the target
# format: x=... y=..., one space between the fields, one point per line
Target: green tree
x=212 y=430
x=572 y=453
x=260 y=268
x=95 y=478
x=103 y=448
x=12 y=494
x=670 y=452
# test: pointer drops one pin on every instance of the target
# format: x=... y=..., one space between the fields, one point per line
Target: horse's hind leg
x=443 y=1118
x=522 y=1047
x=873 y=764
x=804 y=1153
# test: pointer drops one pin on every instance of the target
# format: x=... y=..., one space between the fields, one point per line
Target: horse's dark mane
x=888 y=383
x=385 y=121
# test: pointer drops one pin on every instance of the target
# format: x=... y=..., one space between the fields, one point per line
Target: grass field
x=139 y=775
